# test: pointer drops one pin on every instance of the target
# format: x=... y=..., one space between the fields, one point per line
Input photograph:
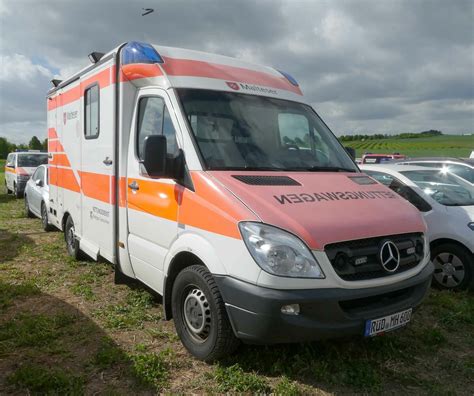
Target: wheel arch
x=441 y=241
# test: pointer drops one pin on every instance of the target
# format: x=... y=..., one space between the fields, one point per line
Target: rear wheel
x=44 y=218
x=200 y=316
x=454 y=267
x=72 y=243
x=28 y=212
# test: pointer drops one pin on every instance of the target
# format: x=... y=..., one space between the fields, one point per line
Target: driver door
x=152 y=203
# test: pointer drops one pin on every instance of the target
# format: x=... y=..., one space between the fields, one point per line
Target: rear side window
x=91 y=112
x=154 y=119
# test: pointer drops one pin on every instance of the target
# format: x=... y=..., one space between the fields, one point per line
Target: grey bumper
x=255 y=312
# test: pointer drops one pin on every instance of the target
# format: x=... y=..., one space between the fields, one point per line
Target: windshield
x=238 y=131
x=32 y=160
x=445 y=188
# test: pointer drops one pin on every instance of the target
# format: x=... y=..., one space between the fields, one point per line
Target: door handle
x=134 y=186
x=107 y=161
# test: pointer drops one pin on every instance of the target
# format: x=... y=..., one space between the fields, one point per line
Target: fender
x=198 y=245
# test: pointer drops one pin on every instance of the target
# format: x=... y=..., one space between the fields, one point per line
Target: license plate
x=387 y=323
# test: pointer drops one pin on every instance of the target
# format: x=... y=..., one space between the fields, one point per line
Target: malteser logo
x=69 y=115
x=250 y=87
x=233 y=85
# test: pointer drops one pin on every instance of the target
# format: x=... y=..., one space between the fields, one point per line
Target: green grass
x=234 y=379
x=38 y=380
x=446 y=145
x=151 y=369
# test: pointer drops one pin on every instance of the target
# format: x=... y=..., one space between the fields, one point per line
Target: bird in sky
x=147 y=11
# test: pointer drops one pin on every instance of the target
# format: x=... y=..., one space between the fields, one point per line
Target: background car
x=372 y=158
x=37 y=196
x=460 y=167
x=447 y=203
x=19 y=167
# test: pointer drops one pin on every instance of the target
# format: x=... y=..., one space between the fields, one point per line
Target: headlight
x=278 y=252
x=471 y=225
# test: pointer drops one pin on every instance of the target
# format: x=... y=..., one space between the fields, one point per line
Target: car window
x=10 y=160
x=465 y=172
x=154 y=119
x=444 y=187
x=401 y=189
x=39 y=174
x=32 y=160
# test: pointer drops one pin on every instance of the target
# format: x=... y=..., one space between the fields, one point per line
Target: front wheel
x=44 y=218
x=454 y=267
x=17 y=193
x=28 y=212
x=200 y=316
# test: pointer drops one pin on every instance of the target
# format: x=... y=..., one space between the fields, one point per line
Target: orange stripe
x=155 y=197
x=59 y=160
x=10 y=169
x=139 y=70
x=195 y=68
x=64 y=178
x=75 y=93
x=95 y=185
x=211 y=208
x=55 y=146
x=52 y=133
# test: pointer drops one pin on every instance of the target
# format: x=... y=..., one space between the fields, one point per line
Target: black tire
x=196 y=289
x=454 y=267
x=72 y=244
x=16 y=192
x=28 y=212
x=44 y=218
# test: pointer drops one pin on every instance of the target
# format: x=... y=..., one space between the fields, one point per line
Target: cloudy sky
x=366 y=66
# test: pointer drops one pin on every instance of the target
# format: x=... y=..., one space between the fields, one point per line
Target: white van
x=211 y=180
x=19 y=167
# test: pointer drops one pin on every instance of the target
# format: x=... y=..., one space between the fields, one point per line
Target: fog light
x=291 y=309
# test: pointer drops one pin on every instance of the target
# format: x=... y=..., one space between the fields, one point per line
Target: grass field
x=65 y=328
x=446 y=146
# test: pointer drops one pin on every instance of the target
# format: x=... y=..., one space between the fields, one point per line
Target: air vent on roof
x=263 y=180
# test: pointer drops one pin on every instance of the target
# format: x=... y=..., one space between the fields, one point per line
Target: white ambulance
x=210 y=180
x=19 y=167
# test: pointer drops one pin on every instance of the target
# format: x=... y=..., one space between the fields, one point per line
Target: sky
x=380 y=66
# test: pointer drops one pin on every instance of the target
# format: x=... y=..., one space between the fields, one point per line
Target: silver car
x=37 y=196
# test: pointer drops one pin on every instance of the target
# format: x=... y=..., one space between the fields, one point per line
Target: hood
x=28 y=171
x=323 y=208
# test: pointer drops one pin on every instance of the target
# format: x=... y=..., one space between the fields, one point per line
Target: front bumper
x=255 y=312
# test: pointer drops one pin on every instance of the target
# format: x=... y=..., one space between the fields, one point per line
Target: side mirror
x=154 y=155
x=351 y=151
x=39 y=183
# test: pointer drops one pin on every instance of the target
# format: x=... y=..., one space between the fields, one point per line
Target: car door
x=36 y=185
x=152 y=203
x=10 y=171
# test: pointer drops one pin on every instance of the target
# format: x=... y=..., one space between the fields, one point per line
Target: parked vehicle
x=460 y=167
x=210 y=180
x=37 y=196
x=447 y=204
x=371 y=158
x=19 y=167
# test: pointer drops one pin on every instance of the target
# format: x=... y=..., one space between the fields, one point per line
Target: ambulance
x=212 y=181
x=19 y=167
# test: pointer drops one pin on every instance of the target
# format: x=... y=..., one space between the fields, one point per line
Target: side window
x=154 y=119
x=91 y=112
x=39 y=174
x=10 y=161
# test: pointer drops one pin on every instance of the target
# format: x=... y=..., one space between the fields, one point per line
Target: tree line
x=7 y=147
x=377 y=136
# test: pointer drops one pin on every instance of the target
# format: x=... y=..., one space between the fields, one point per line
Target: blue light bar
x=137 y=52
x=289 y=78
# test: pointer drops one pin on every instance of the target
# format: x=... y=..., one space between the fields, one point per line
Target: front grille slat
x=346 y=257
